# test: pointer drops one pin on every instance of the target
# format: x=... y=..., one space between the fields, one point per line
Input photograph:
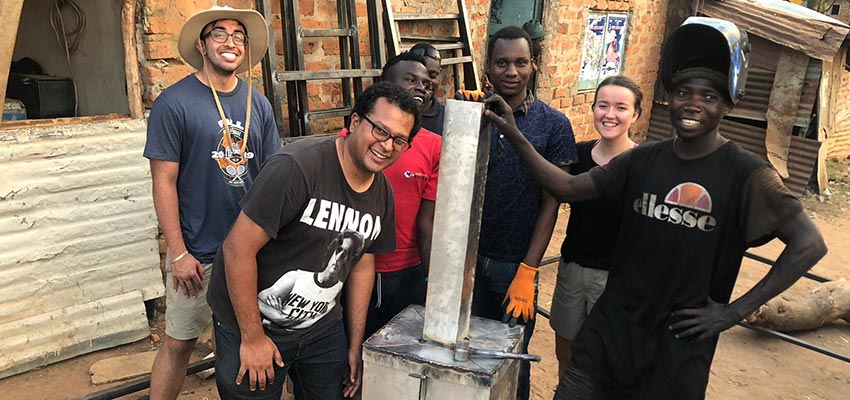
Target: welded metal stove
x=439 y=352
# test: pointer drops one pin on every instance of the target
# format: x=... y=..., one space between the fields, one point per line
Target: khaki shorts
x=186 y=318
x=576 y=291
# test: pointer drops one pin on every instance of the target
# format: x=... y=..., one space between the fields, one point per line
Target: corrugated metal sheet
x=801 y=160
x=77 y=232
x=810 y=92
x=759 y=86
x=784 y=23
x=757 y=95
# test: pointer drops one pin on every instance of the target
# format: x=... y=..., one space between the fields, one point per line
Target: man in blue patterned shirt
x=518 y=217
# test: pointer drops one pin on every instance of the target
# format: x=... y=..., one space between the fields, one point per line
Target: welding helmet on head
x=712 y=43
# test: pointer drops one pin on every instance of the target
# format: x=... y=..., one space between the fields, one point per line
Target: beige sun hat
x=258 y=34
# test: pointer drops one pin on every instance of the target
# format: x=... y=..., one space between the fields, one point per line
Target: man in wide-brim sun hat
x=204 y=155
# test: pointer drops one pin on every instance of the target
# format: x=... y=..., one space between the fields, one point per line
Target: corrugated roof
x=801 y=159
x=784 y=23
x=796 y=9
x=78 y=238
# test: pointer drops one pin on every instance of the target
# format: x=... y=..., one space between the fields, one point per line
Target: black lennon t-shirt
x=319 y=229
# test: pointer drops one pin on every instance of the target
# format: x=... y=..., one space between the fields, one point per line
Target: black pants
x=393 y=292
x=492 y=280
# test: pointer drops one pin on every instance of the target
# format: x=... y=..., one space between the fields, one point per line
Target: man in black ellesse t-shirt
x=690 y=208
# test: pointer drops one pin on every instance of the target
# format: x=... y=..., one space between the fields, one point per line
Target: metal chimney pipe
x=457 y=219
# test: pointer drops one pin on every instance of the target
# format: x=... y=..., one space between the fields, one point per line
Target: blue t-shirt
x=512 y=198
x=185 y=127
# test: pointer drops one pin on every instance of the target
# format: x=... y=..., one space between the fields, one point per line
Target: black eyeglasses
x=426 y=51
x=399 y=144
x=220 y=36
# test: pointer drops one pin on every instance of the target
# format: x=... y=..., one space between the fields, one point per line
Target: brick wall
x=564 y=20
x=560 y=64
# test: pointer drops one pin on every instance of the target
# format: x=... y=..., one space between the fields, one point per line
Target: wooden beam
x=10 y=17
x=827 y=93
x=131 y=59
x=783 y=105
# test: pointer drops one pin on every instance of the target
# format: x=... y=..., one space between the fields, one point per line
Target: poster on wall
x=603 y=49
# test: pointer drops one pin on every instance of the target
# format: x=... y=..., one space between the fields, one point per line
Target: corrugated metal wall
x=801 y=160
x=759 y=85
x=78 y=239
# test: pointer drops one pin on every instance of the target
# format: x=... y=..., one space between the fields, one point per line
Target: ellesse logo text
x=688 y=205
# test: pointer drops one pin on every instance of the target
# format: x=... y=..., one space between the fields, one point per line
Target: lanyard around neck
x=227 y=137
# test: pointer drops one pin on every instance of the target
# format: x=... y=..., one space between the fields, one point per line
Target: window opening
x=68 y=61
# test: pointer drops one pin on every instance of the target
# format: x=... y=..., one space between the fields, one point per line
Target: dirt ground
x=747 y=365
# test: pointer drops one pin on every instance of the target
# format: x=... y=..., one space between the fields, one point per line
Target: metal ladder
x=459 y=47
x=295 y=75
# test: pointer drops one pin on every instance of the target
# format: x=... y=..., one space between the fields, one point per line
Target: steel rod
x=765 y=331
x=795 y=341
x=770 y=262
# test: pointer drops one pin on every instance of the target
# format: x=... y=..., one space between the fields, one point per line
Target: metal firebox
x=400 y=365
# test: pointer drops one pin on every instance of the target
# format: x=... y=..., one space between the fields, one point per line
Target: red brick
x=316 y=65
x=330 y=48
x=312 y=89
x=160 y=47
x=306 y=7
x=561 y=93
x=157 y=24
x=360 y=9
x=188 y=7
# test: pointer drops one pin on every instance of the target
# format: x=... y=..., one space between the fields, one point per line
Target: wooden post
x=827 y=92
x=131 y=59
x=10 y=17
x=782 y=109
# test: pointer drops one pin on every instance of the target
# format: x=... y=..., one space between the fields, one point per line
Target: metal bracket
x=423 y=384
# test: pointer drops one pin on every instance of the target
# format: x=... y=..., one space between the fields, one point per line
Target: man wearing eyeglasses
x=306 y=195
x=208 y=135
x=400 y=276
x=433 y=112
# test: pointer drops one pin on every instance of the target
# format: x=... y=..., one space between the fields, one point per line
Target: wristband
x=180 y=257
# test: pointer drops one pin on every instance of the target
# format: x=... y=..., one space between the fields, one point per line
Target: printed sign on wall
x=604 y=47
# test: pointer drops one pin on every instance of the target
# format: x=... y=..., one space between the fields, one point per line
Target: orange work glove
x=469 y=95
x=519 y=300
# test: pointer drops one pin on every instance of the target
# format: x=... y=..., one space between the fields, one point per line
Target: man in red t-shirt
x=401 y=276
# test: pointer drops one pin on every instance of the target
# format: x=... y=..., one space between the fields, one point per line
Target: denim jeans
x=577 y=385
x=393 y=292
x=316 y=367
x=492 y=280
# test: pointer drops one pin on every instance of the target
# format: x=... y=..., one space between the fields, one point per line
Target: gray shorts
x=576 y=291
x=186 y=317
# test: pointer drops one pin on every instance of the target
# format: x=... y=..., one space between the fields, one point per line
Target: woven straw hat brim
x=258 y=35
